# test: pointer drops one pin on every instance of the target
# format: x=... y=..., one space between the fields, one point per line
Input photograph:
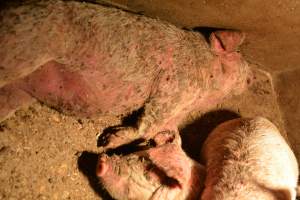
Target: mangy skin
x=88 y=60
x=249 y=159
x=162 y=172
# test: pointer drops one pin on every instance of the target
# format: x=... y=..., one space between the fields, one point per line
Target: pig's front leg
x=161 y=109
x=186 y=176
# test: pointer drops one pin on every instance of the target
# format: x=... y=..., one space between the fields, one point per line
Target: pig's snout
x=102 y=166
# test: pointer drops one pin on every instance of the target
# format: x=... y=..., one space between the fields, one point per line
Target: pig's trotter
x=102 y=166
x=123 y=136
x=166 y=137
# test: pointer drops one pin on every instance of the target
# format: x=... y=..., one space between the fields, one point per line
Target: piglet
x=161 y=172
x=246 y=159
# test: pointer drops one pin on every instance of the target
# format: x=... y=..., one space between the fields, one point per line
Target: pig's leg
x=166 y=137
x=11 y=99
x=172 y=160
x=186 y=173
x=25 y=41
x=147 y=128
x=161 y=111
x=175 y=91
x=169 y=157
x=62 y=89
x=32 y=35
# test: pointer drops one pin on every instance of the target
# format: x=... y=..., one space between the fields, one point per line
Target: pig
x=160 y=172
x=88 y=60
x=247 y=158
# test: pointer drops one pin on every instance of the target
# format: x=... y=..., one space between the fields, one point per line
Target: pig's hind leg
x=67 y=91
x=25 y=41
x=12 y=98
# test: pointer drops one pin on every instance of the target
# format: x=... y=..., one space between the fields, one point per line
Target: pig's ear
x=226 y=41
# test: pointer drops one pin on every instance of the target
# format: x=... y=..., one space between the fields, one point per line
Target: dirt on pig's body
x=87 y=60
x=160 y=172
x=111 y=60
x=40 y=147
x=248 y=158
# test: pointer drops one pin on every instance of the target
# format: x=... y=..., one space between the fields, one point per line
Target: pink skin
x=83 y=93
x=229 y=41
x=162 y=172
x=102 y=167
x=96 y=66
x=13 y=98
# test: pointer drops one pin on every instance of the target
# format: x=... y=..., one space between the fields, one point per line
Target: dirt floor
x=47 y=155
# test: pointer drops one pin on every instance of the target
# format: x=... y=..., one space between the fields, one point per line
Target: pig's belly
x=87 y=92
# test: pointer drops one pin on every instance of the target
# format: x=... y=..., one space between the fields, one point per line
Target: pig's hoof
x=120 y=137
x=165 y=137
x=102 y=167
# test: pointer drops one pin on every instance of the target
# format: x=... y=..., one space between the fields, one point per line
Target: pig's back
x=249 y=157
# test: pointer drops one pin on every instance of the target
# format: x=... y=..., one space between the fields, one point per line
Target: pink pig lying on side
x=162 y=172
x=88 y=60
x=248 y=159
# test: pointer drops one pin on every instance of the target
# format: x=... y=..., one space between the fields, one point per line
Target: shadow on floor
x=193 y=135
x=87 y=163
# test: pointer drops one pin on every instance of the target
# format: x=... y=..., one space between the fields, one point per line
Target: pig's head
x=162 y=172
x=230 y=68
x=124 y=178
x=134 y=177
